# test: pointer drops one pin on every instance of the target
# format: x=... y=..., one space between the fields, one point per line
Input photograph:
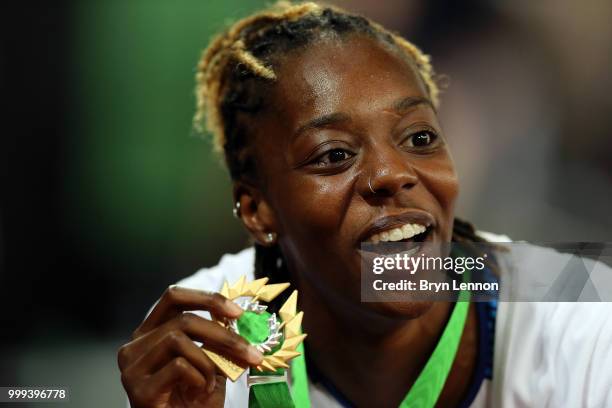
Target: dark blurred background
x=108 y=196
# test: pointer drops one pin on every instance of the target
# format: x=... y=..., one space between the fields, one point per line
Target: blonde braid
x=423 y=62
x=229 y=50
x=218 y=54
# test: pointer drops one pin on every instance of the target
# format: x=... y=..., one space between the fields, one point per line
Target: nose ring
x=370 y=185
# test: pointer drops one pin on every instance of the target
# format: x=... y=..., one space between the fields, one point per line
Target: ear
x=255 y=213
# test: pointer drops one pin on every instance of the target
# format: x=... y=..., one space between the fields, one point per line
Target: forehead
x=353 y=75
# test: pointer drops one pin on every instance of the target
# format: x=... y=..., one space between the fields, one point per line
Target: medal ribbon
x=274 y=395
x=429 y=384
x=270 y=395
x=424 y=393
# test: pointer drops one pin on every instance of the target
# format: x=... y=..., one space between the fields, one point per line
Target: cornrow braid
x=238 y=64
x=228 y=49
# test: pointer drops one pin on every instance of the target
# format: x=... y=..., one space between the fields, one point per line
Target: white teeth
x=397 y=234
x=407 y=231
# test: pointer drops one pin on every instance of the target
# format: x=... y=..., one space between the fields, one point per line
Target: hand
x=162 y=367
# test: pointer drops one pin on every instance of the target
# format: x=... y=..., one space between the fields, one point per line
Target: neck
x=373 y=359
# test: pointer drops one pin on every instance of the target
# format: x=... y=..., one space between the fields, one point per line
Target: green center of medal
x=254 y=326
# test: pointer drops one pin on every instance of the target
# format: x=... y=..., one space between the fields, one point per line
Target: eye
x=337 y=155
x=333 y=156
x=421 y=138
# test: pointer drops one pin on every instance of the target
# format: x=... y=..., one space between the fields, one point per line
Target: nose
x=388 y=173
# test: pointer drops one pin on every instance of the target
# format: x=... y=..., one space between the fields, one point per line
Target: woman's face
x=348 y=115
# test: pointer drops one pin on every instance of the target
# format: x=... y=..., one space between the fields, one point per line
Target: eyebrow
x=323 y=121
x=404 y=104
x=400 y=106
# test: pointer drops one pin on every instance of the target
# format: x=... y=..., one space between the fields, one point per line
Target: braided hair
x=238 y=65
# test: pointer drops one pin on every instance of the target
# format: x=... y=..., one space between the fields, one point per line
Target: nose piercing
x=370 y=185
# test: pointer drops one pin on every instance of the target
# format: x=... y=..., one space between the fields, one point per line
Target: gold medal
x=276 y=339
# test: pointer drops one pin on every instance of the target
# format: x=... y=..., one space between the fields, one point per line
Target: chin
x=401 y=310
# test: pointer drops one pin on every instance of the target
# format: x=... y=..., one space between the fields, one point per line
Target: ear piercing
x=270 y=237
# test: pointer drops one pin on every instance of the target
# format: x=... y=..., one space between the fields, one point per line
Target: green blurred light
x=139 y=176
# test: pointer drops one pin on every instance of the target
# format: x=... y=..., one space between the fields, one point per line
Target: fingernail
x=254 y=356
x=211 y=385
x=234 y=308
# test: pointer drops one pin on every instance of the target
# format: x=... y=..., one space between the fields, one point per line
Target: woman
x=328 y=125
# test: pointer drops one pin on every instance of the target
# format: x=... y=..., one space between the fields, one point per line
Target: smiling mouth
x=408 y=232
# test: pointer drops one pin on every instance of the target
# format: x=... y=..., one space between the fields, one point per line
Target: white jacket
x=545 y=354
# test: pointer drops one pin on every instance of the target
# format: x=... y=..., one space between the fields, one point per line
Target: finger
x=176 y=299
x=220 y=340
x=177 y=371
x=214 y=399
x=221 y=319
x=213 y=336
x=174 y=344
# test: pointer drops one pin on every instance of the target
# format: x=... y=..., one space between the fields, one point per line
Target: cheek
x=312 y=215
x=445 y=185
x=440 y=179
x=313 y=206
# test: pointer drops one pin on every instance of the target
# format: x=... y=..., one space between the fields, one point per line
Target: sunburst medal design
x=277 y=337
